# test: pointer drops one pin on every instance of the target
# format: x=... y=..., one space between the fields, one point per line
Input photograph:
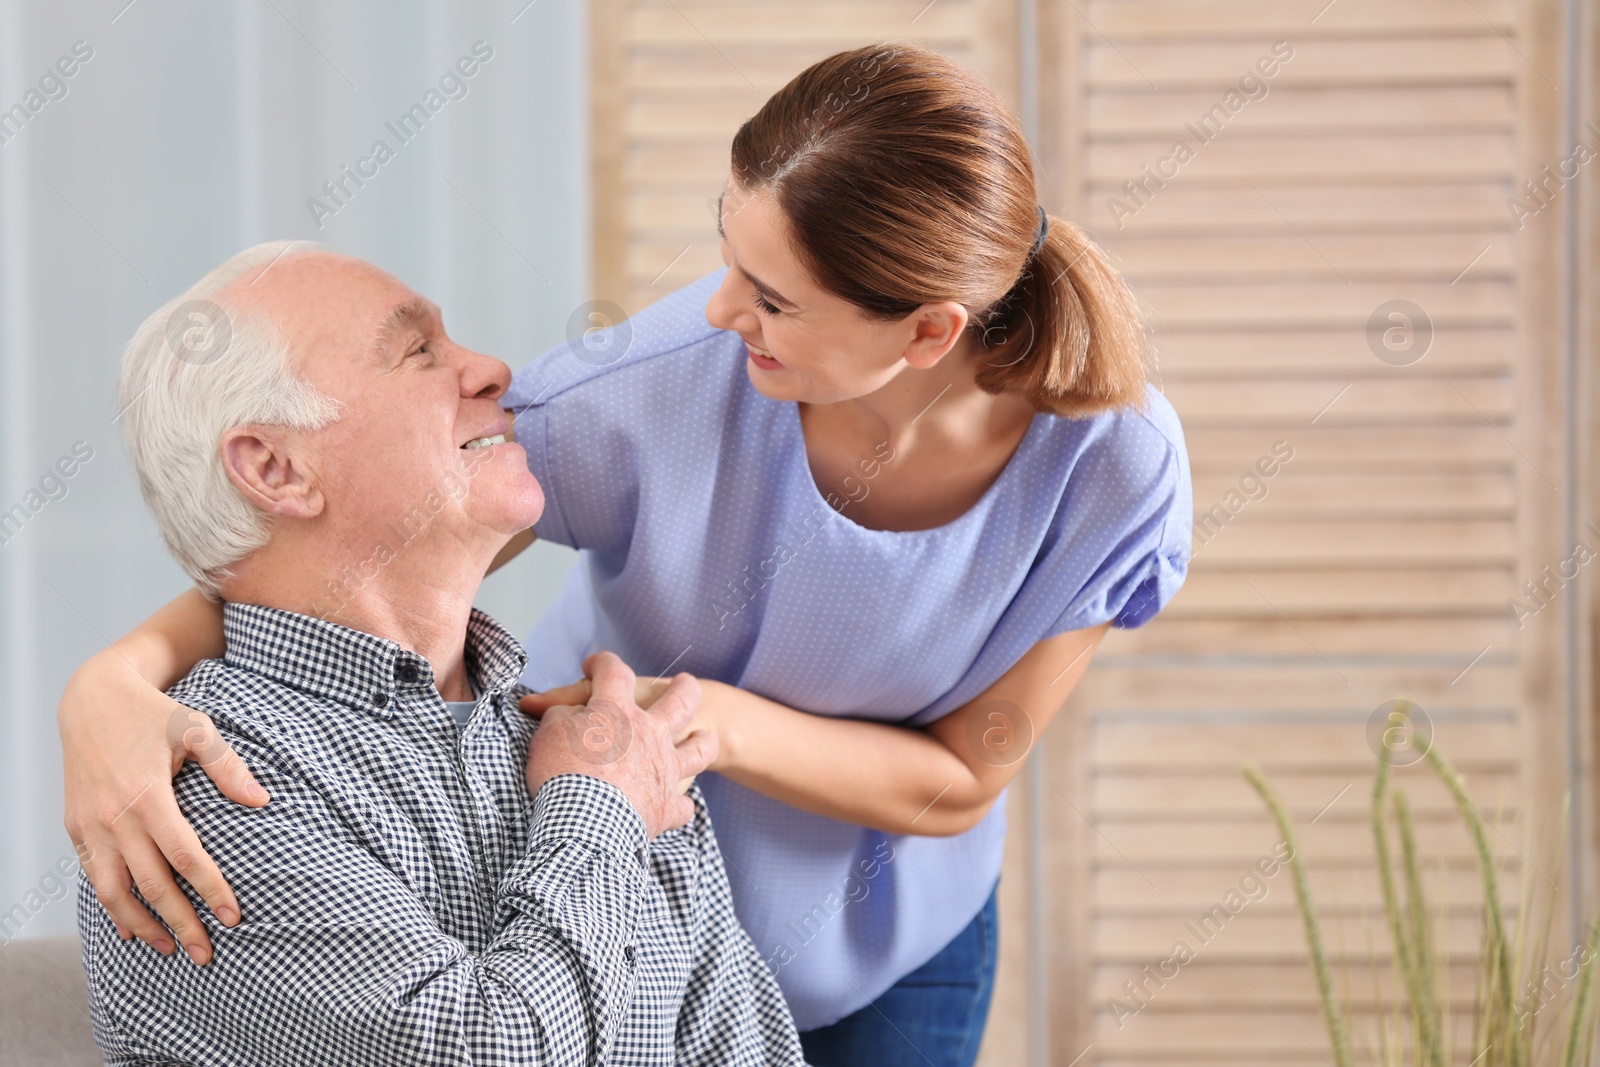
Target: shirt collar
x=355 y=668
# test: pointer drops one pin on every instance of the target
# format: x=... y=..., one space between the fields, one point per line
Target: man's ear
x=937 y=329
x=274 y=477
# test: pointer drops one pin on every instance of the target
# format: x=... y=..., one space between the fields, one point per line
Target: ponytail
x=1069 y=334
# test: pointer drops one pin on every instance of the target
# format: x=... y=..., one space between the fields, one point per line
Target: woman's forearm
x=889 y=778
x=934 y=781
x=122 y=739
x=165 y=646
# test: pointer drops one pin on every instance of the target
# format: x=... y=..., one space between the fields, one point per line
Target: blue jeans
x=934 y=1015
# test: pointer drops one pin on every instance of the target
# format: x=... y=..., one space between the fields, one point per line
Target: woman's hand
x=123 y=742
x=647 y=691
x=934 y=781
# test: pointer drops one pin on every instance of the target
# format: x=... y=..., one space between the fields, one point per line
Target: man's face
x=407 y=456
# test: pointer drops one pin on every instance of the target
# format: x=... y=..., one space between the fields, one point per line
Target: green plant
x=1503 y=1022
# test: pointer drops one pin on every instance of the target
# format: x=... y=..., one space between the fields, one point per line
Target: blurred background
x=187 y=132
x=1365 y=232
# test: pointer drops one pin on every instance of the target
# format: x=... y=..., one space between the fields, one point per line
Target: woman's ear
x=274 y=477
x=937 y=328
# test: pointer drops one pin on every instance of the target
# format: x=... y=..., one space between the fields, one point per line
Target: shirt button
x=407 y=673
x=628 y=954
x=380 y=699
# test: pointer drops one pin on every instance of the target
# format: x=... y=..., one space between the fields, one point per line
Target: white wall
x=195 y=129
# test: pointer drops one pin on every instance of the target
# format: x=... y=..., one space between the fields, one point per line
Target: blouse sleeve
x=582 y=427
x=1131 y=511
x=525 y=400
x=592 y=415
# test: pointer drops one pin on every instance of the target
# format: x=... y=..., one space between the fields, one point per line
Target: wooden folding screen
x=1359 y=330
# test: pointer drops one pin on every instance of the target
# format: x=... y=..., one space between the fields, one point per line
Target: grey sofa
x=44 y=1005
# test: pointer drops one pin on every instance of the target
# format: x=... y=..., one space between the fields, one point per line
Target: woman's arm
x=936 y=781
x=123 y=739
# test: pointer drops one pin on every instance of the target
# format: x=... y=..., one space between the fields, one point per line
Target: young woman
x=882 y=484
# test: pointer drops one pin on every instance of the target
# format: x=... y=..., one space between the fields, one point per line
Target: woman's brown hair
x=905 y=181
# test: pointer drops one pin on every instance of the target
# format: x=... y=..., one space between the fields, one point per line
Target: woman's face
x=804 y=343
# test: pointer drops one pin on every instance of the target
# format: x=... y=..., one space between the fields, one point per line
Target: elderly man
x=433 y=881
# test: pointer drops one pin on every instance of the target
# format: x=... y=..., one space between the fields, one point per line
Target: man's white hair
x=194 y=370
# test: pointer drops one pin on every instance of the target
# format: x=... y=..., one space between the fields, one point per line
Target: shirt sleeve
x=340 y=961
x=1131 y=512
x=747 y=1020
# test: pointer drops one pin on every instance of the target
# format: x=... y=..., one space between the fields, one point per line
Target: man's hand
x=646 y=691
x=614 y=739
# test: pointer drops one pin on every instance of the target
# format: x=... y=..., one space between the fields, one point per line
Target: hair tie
x=1042 y=232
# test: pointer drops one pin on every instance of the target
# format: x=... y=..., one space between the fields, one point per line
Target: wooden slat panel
x=1190 y=20
x=1295 y=403
x=1355 y=448
x=1446 y=590
x=759 y=71
x=1266 y=639
x=1475 y=60
x=1295 y=111
x=1265 y=354
x=1298 y=688
x=685 y=259
x=685 y=166
x=1343 y=889
x=1233 y=154
x=1433 y=256
x=1322 y=745
x=1254 y=544
x=1308 y=794
x=1313 y=495
x=1258 y=935
x=1206 y=982
x=1380 y=560
x=1332 y=303
x=703 y=115
x=1005 y=1041
x=1267 y=1035
x=1154 y=847
x=679 y=213
x=1378 y=206
x=824 y=27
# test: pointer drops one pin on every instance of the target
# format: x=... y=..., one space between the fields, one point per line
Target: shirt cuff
x=577 y=807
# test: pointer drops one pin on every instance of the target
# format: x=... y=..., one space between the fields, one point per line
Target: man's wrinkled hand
x=631 y=744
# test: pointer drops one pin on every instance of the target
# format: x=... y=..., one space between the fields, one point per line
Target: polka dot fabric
x=708 y=547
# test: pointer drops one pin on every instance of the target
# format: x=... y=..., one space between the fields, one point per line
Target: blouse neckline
x=1008 y=473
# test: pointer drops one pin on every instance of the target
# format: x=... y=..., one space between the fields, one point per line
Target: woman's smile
x=760 y=358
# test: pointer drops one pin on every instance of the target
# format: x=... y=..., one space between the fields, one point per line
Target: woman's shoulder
x=1136 y=442
x=1159 y=415
x=622 y=354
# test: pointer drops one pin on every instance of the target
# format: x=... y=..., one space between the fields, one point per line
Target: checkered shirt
x=406 y=902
